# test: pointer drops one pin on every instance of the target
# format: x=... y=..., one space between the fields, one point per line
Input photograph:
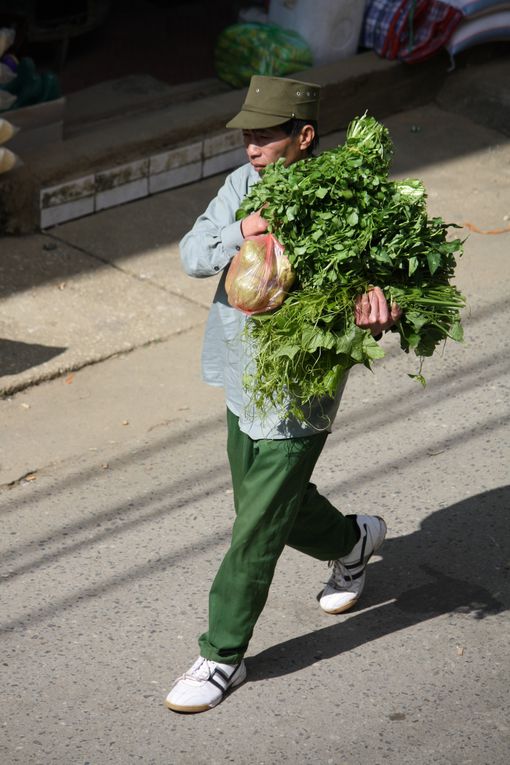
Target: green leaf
x=412 y=340
x=413 y=265
x=416 y=319
x=344 y=341
x=288 y=350
x=372 y=348
x=313 y=338
x=321 y=192
x=419 y=378
x=456 y=332
x=332 y=379
x=433 y=259
x=381 y=254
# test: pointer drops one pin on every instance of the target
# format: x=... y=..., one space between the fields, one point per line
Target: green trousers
x=276 y=505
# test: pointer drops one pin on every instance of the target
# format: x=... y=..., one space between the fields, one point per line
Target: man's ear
x=306 y=137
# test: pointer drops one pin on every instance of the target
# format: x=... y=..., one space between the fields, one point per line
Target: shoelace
x=201 y=670
x=340 y=576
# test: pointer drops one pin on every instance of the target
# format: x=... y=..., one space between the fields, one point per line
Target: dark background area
x=86 y=42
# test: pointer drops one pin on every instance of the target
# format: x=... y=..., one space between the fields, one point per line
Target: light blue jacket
x=207 y=251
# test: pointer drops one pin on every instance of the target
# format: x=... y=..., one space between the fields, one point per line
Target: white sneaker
x=204 y=685
x=346 y=583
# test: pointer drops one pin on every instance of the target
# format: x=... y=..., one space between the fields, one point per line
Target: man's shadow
x=453 y=563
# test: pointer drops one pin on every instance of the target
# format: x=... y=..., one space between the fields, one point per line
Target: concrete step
x=89 y=109
x=480 y=93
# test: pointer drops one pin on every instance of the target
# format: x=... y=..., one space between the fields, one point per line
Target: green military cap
x=271 y=101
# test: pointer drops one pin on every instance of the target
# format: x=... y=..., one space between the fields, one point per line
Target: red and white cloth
x=414 y=30
x=408 y=30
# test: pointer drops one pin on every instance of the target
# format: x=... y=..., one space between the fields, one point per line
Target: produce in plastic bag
x=246 y=49
x=7 y=131
x=7 y=160
x=259 y=276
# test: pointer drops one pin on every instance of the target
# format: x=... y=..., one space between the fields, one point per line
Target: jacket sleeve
x=216 y=235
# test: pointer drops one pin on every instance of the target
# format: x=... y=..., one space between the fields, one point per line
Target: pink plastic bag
x=259 y=276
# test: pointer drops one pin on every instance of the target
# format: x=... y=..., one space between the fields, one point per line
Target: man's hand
x=253 y=224
x=371 y=311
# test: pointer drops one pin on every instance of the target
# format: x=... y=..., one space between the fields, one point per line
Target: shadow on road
x=16 y=356
x=457 y=562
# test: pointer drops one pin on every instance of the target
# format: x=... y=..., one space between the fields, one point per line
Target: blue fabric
x=493 y=27
x=471 y=8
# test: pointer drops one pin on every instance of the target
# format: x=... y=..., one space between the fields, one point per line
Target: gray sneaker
x=347 y=581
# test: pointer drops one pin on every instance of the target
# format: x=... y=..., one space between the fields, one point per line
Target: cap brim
x=247 y=120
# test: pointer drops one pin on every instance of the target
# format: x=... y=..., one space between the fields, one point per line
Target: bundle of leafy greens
x=345 y=227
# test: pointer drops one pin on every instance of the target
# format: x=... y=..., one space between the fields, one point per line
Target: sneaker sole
x=205 y=707
x=190 y=710
x=342 y=609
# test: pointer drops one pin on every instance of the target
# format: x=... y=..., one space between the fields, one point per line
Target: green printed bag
x=243 y=50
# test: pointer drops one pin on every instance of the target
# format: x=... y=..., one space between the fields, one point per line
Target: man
x=271 y=459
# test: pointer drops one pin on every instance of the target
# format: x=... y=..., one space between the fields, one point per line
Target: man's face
x=267 y=145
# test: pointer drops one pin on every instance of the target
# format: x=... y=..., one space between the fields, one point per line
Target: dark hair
x=294 y=126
